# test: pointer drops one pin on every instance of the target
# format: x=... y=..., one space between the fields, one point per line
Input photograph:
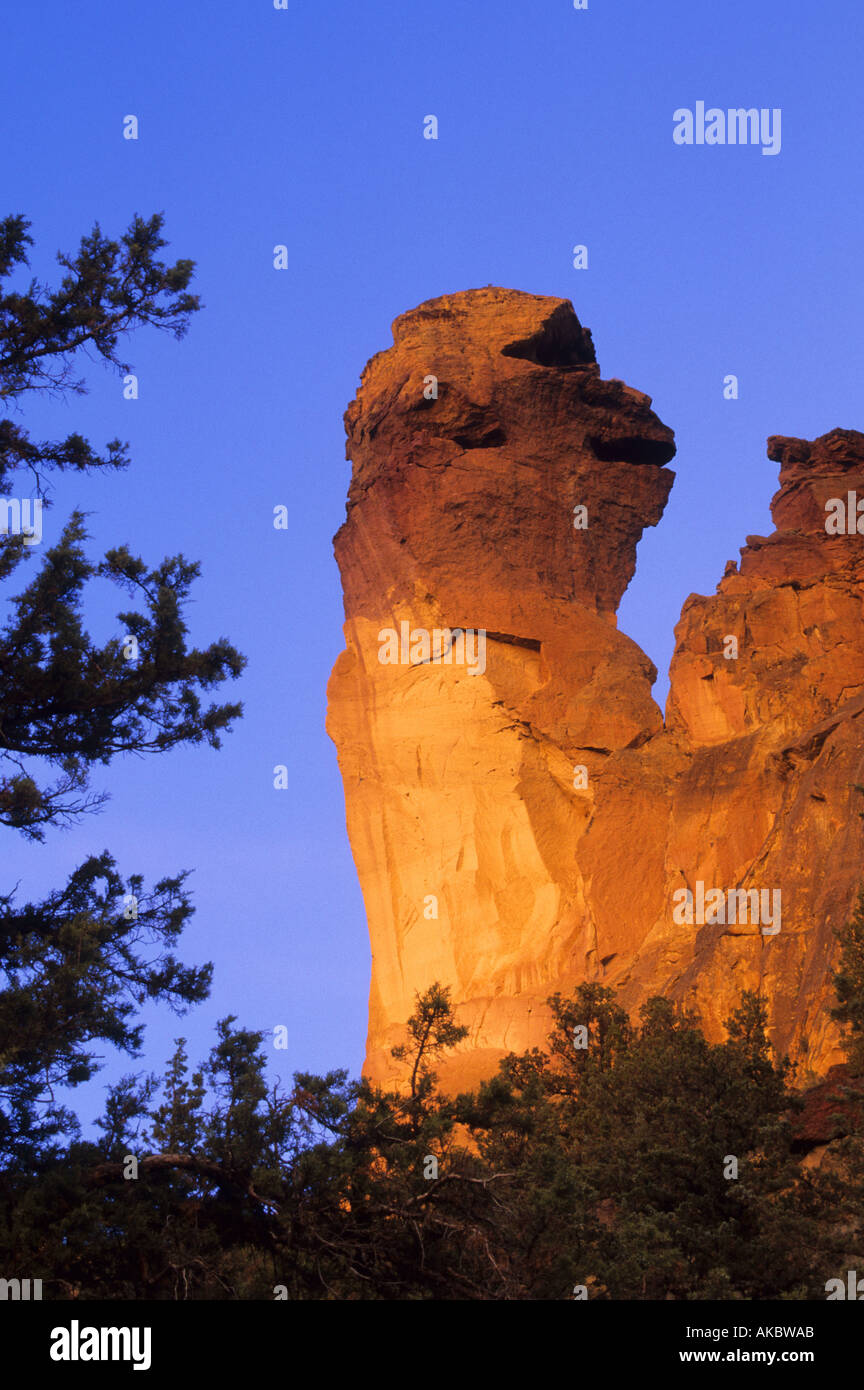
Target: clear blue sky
x=304 y=127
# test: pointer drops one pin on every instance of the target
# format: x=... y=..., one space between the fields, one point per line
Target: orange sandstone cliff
x=530 y=821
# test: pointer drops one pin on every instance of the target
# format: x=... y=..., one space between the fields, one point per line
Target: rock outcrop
x=527 y=821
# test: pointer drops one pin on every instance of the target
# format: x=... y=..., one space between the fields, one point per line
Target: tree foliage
x=604 y=1169
x=76 y=967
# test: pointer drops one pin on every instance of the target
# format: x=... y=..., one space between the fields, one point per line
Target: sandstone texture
x=543 y=807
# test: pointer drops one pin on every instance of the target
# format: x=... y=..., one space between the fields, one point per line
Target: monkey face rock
x=521 y=817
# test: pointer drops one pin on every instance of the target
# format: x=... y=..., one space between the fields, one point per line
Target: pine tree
x=76 y=967
x=849 y=984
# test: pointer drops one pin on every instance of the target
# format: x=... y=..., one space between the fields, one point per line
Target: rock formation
x=530 y=821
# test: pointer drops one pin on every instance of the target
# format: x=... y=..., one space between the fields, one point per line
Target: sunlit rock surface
x=536 y=801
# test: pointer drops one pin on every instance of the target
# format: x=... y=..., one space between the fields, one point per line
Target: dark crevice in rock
x=632 y=449
x=493 y=437
x=529 y=642
x=561 y=342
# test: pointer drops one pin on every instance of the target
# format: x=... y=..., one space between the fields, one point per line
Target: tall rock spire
x=524 y=823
